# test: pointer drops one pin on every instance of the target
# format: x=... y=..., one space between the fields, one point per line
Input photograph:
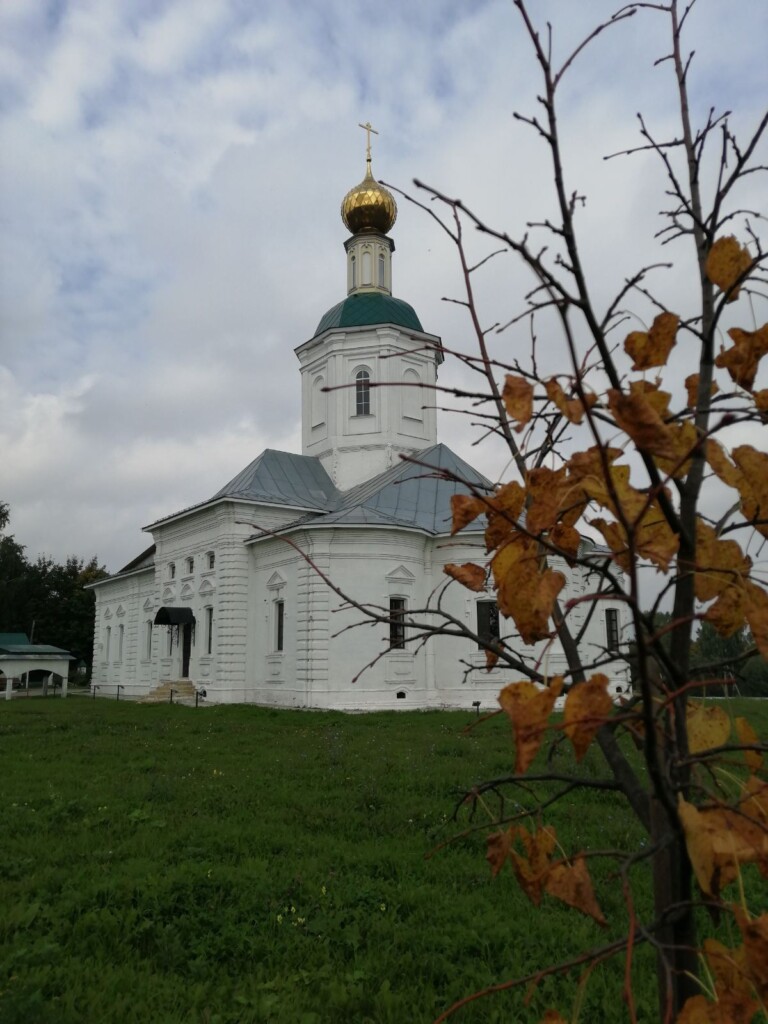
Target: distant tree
x=733 y=659
x=47 y=600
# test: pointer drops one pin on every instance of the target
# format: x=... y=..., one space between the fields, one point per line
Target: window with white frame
x=211 y=557
x=172 y=570
x=279 y=625
x=190 y=566
x=107 y=643
x=412 y=395
x=209 y=630
x=381 y=280
x=319 y=402
x=362 y=393
x=120 y=639
x=487 y=623
x=367 y=267
x=397 y=606
x=612 y=629
x=148 y=640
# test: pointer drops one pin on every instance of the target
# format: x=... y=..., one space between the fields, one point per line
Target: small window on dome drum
x=362 y=393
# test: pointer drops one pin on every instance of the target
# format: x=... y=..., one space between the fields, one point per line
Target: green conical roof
x=362 y=309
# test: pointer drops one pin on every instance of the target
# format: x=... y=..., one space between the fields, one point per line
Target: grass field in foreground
x=231 y=865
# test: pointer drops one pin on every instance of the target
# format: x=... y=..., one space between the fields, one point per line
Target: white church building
x=234 y=594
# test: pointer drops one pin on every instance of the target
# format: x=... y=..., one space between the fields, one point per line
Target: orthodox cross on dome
x=368 y=128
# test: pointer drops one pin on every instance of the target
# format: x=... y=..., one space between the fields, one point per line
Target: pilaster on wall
x=232 y=627
x=313 y=625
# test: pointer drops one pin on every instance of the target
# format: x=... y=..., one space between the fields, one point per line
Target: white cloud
x=170 y=179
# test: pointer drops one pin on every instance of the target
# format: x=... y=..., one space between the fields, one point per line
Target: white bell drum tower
x=368 y=371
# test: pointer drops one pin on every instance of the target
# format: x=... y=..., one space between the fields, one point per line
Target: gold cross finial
x=367 y=127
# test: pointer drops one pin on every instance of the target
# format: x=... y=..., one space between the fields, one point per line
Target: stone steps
x=184 y=691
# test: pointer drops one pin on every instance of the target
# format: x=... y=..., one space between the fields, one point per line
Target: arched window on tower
x=412 y=395
x=353 y=265
x=319 y=401
x=367 y=267
x=362 y=393
x=381 y=281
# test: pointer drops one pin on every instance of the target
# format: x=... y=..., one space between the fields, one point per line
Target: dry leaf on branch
x=464 y=510
x=528 y=708
x=587 y=707
x=726 y=264
x=469 y=575
x=652 y=348
x=517 y=396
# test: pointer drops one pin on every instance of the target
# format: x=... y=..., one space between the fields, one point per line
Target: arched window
x=190 y=565
x=172 y=570
x=353 y=264
x=319 y=400
x=362 y=393
x=412 y=395
x=367 y=267
x=381 y=270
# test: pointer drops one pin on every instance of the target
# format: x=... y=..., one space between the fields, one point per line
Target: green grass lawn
x=236 y=864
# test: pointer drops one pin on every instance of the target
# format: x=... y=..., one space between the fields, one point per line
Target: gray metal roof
x=285 y=479
x=406 y=495
x=33 y=651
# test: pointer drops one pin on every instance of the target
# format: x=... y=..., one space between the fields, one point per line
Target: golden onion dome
x=369 y=206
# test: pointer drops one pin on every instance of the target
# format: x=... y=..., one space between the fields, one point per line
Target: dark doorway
x=186 y=648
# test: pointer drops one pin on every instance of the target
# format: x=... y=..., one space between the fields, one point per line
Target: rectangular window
x=396 y=623
x=362 y=393
x=612 y=629
x=148 y=640
x=208 y=630
x=279 y=624
x=107 y=643
x=487 y=622
x=170 y=641
x=211 y=559
x=120 y=637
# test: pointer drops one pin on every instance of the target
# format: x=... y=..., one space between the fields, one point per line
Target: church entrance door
x=186 y=648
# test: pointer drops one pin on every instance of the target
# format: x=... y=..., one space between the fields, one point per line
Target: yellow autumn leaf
x=517 y=396
x=572 y=408
x=464 y=510
x=504 y=509
x=637 y=417
x=727 y=262
x=652 y=348
x=743 y=358
x=587 y=707
x=531 y=867
x=708 y=727
x=719 y=840
x=572 y=884
x=719 y=563
x=469 y=575
x=528 y=708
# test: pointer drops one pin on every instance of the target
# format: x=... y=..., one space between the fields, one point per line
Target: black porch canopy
x=174 y=617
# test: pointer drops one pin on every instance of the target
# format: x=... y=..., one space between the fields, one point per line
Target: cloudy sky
x=170 y=180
